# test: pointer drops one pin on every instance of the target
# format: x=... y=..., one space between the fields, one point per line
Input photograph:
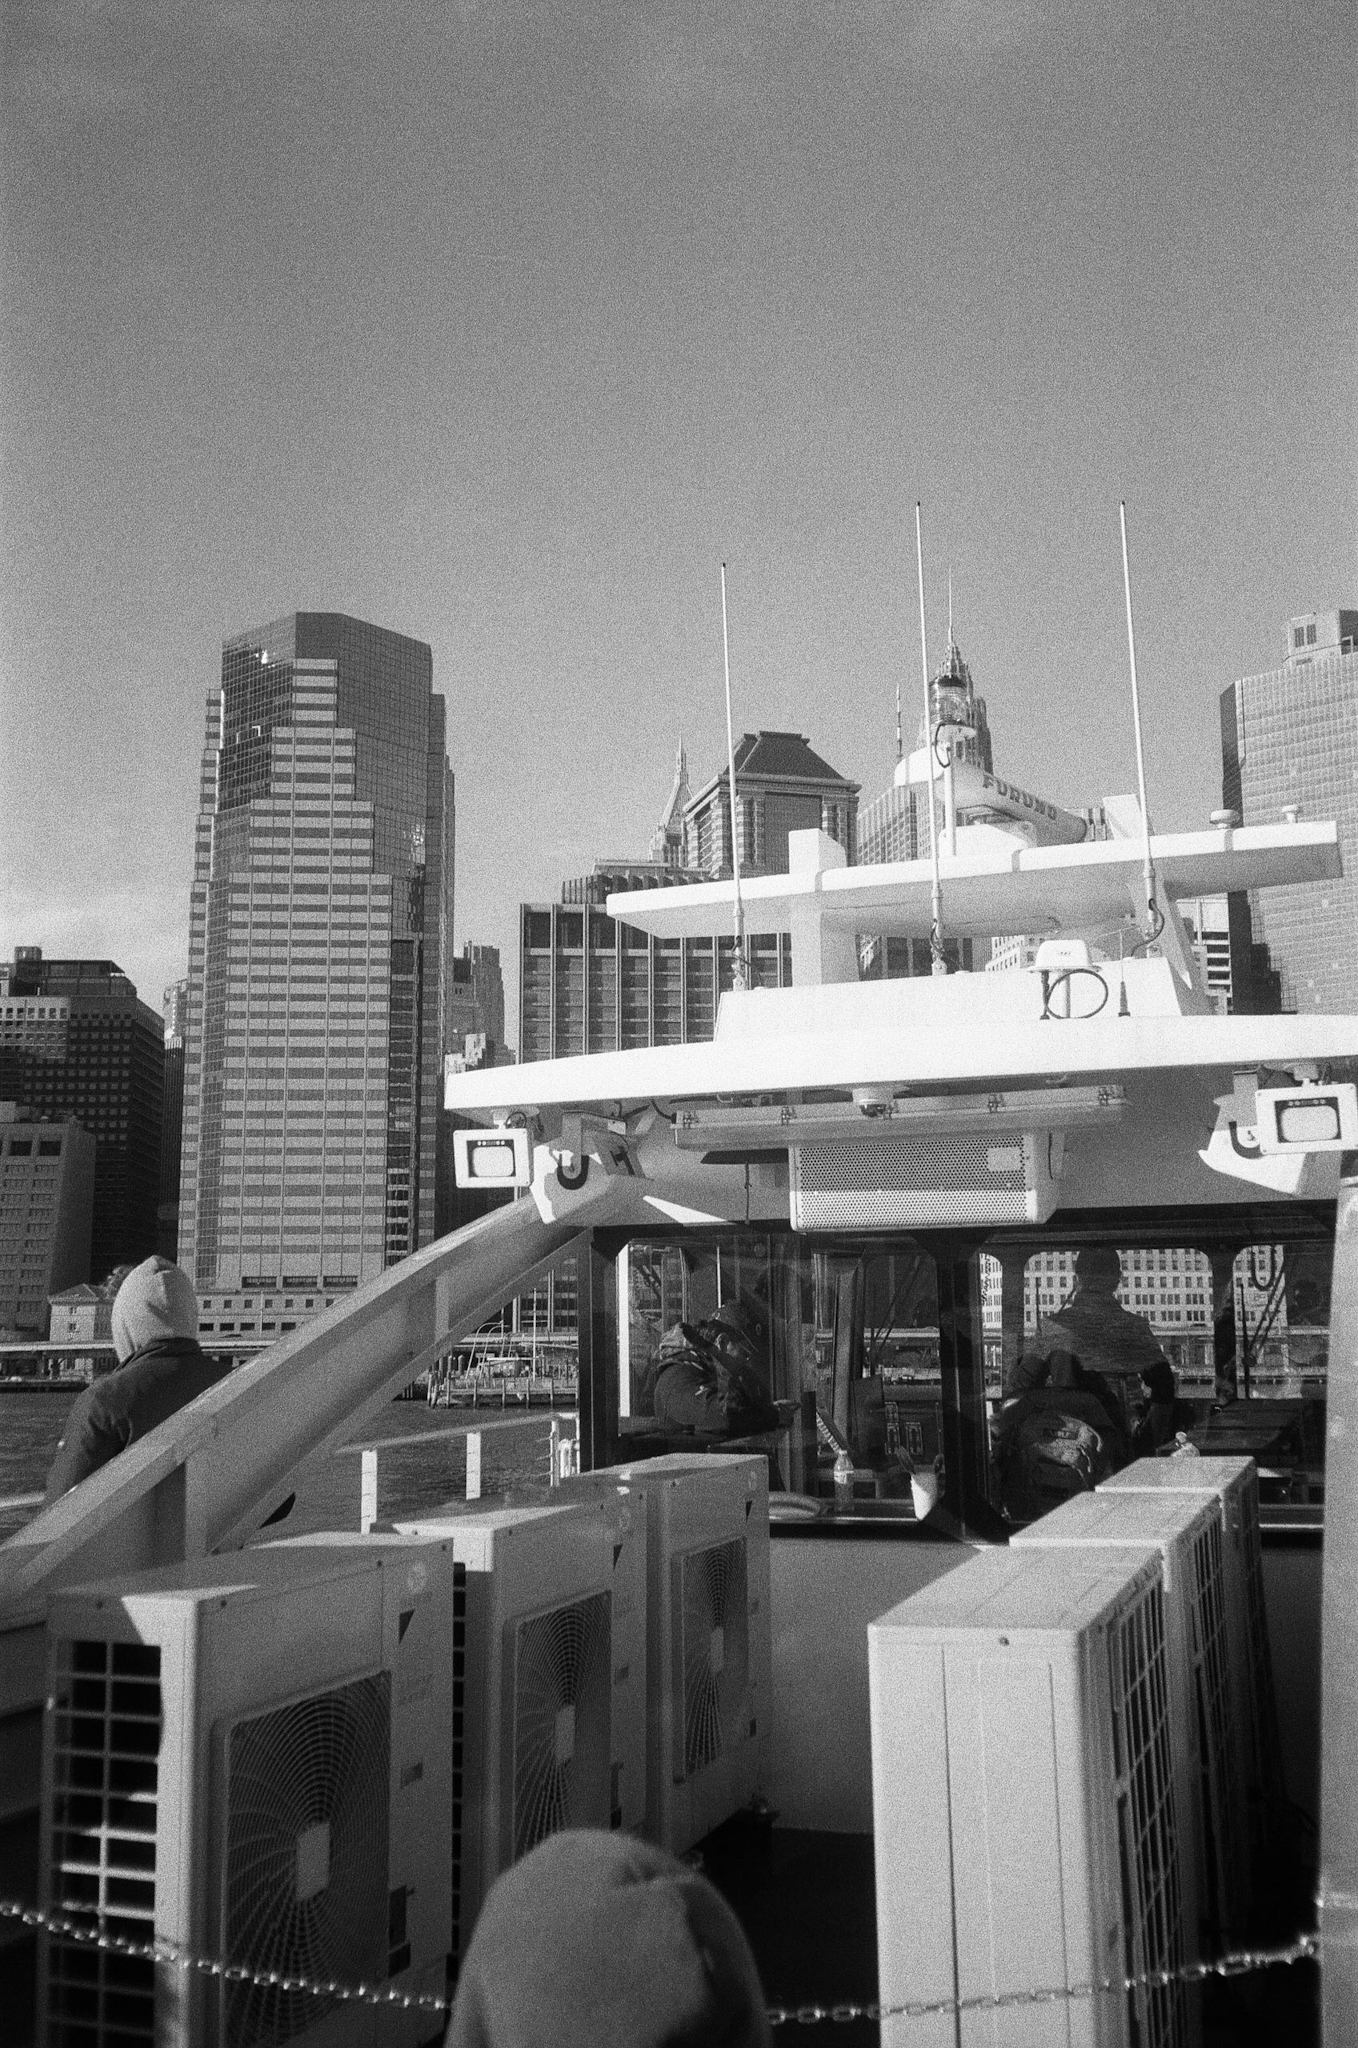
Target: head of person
x=598 y=1940
x=740 y=1320
x=1157 y=1383
x=1098 y=1270
x=155 y=1301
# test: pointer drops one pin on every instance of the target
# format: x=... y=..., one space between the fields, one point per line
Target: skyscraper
x=76 y=1040
x=317 y=1009
x=1289 y=744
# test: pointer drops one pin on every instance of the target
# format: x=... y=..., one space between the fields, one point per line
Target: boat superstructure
x=892 y=1183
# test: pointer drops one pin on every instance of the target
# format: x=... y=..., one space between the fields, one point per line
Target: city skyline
x=610 y=298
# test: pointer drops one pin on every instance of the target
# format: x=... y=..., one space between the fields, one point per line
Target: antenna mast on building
x=940 y=965
x=738 y=978
x=1155 y=922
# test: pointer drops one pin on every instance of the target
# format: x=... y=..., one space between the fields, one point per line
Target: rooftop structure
x=782 y=786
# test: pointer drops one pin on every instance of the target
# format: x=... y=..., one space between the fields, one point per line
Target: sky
x=504 y=324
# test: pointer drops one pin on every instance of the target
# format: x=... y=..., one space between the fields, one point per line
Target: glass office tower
x=322 y=903
x=1289 y=746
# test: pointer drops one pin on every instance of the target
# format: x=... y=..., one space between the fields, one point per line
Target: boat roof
x=999 y=884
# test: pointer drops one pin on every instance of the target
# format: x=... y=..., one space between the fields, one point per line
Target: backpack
x=1059 y=1455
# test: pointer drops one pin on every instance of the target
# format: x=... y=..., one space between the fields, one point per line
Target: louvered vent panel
x=1157 y=2014
x=1265 y=1793
x=1221 y=1793
x=106 y=1741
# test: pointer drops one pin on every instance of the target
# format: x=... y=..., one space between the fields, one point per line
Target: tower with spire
x=667 y=841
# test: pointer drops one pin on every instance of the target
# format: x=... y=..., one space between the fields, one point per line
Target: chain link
x=1305 y=1949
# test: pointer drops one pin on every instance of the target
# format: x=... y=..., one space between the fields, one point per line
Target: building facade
x=77 y=1041
x=1289 y=746
x=46 y=1200
x=476 y=997
x=318 y=972
x=781 y=787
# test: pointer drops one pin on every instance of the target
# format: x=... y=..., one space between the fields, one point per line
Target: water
x=30 y=1425
x=430 y=1472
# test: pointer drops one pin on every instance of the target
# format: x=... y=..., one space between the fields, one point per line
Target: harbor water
x=424 y=1473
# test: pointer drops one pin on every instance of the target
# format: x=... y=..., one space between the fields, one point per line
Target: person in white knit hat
x=161 y=1367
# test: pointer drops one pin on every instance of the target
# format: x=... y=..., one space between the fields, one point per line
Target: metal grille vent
x=919 y=1164
x=713 y=1654
x=563 y=1720
x=1152 y=1895
x=106 y=1742
x=1223 y=1849
x=306 y=1854
x=879 y=1181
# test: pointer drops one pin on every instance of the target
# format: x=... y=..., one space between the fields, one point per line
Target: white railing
x=213 y=1473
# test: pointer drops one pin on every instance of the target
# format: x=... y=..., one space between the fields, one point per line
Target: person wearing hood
x=598 y=1940
x=160 y=1368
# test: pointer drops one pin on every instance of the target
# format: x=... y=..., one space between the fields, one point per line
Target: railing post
x=367 y=1508
x=473 y=1464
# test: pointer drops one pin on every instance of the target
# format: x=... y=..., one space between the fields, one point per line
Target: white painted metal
x=520 y=1563
x=238 y=1637
x=1002 y=1764
x=1006 y=886
x=210 y=1475
x=696 y=1502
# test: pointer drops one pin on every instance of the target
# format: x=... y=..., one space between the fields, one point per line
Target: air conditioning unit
x=1184 y=1531
x=709 y=1642
x=624 y=1503
x=537 y=1750
x=1025 y=1828
x=1234 y=1484
x=876 y=1182
x=251 y=1758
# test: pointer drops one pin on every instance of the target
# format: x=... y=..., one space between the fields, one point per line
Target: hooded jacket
x=602 y=1941
x=160 y=1369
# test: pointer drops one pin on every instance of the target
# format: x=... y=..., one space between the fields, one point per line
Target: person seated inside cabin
x=713 y=1376
x=1165 y=1420
x=1094 y=1326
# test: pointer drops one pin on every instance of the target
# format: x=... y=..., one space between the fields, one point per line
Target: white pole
x=738 y=976
x=940 y=965
x=1155 y=923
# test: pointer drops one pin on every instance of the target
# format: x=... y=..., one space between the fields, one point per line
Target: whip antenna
x=1155 y=922
x=738 y=977
x=940 y=965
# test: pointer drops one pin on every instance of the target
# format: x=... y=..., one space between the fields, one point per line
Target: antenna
x=1155 y=922
x=950 y=638
x=738 y=979
x=940 y=965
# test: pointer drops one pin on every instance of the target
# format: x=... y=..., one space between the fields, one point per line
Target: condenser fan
x=713 y=1615
x=304 y=1889
x=562 y=1709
